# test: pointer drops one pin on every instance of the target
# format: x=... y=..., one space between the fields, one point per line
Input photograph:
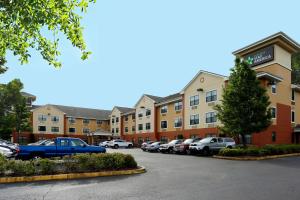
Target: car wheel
x=188 y=152
x=206 y=151
x=171 y=150
x=116 y=146
x=106 y=146
x=130 y=146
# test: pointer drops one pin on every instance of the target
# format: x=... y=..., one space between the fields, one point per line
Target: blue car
x=60 y=146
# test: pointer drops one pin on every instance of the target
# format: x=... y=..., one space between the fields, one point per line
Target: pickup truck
x=60 y=146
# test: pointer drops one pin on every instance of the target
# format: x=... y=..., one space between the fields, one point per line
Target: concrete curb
x=256 y=158
x=71 y=176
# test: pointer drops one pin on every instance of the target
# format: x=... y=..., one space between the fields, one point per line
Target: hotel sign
x=261 y=56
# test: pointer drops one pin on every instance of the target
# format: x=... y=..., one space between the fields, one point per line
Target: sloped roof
x=154 y=98
x=84 y=112
x=169 y=98
x=26 y=94
x=124 y=109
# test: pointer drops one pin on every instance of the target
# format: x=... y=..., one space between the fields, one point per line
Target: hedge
x=263 y=151
x=69 y=164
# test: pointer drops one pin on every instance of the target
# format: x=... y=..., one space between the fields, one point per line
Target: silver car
x=211 y=144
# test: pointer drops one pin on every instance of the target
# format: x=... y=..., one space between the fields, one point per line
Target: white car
x=104 y=144
x=8 y=152
x=120 y=143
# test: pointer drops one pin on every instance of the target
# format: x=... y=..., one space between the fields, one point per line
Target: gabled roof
x=124 y=109
x=153 y=98
x=79 y=112
x=269 y=76
x=279 y=38
x=26 y=94
x=198 y=74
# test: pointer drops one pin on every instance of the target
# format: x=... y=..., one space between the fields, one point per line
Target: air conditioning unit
x=211 y=104
x=212 y=125
x=194 y=107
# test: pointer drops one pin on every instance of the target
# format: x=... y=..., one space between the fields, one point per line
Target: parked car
x=146 y=144
x=120 y=143
x=40 y=142
x=154 y=147
x=211 y=144
x=169 y=147
x=60 y=146
x=184 y=146
x=9 y=144
x=8 y=152
x=104 y=144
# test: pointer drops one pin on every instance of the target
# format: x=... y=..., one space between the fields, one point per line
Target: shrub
x=3 y=164
x=45 y=166
x=21 y=168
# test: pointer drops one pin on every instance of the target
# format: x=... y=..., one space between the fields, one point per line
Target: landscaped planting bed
x=267 y=150
x=68 y=164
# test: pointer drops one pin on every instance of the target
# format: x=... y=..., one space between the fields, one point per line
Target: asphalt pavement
x=175 y=177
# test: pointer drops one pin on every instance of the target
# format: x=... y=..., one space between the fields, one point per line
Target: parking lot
x=175 y=177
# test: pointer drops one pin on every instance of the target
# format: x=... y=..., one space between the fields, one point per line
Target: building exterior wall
x=143 y=105
x=48 y=112
x=206 y=82
x=79 y=125
x=296 y=107
x=129 y=124
x=115 y=114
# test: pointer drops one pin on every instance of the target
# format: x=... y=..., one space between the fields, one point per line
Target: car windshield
x=188 y=141
x=155 y=143
x=173 y=142
x=205 y=140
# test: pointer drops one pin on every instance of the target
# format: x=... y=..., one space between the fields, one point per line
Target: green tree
x=25 y=24
x=244 y=106
x=296 y=68
x=14 y=115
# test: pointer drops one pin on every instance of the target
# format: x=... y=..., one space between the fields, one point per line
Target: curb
x=257 y=158
x=71 y=176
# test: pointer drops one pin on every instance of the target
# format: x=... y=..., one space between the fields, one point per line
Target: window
x=86 y=130
x=293 y=116
x=148 y=112
x=211 y=96
x=178 y=122
x=273 y=136
x=274 y=88
x=178 y=106
x=113 y=130
x=126 y=118
x=76 y=143
x=133 y=116
x=273 y=112
x=126 y=129
x=140 y=127
x=210 y=117
x=54 y=129
x=293 y=95
x=163 y=124
x=71 y=120
x=55 y=118
x=64 y=142
x=164 y=109
x=42 y=128
x=86 y=121
x=117 y=130
x=113 y=120
x=133 y=128
x=117 y=119
x=140 y=140
x=72 y=130
x=99 y=122
x=194 y=100
x=194 y=119
x=148 y=126
x=140 y=115
x=42 y=118
x=147 y=139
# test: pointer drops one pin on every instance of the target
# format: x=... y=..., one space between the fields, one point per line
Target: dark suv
x=183 y=148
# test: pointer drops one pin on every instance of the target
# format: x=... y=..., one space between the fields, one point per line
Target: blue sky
x=151 y=46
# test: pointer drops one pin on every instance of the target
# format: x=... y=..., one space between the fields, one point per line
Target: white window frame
x=55 y=117
x=274 y=85
x=43 y=117
x=166 y=108
x=54 y=127
x=146 y=126
x=206 y=117
x=293 y=111
x=162 y=127
x=71 y=119
x=138 y=126
x=73 y=128
x=86 y=129
x=191 y=117
x=178 y=118
x=194 y=100
x=44 y=130
x=177 y=103
x=85 y=119
x=293 y=95
x=210 y=92
x=275 y=112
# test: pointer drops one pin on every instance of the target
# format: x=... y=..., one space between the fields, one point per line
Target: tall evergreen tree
x=244 y=106
x=296 y=68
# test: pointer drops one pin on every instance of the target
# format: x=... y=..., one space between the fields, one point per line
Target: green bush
x=3 y=164
x=21 y=168
x=263 y=151
x=45 y=166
